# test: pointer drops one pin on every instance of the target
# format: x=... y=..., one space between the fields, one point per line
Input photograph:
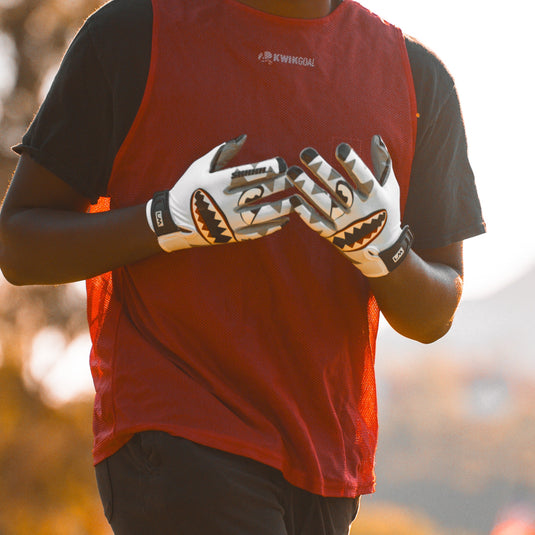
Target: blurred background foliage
x=446 y=464
x=47 y=486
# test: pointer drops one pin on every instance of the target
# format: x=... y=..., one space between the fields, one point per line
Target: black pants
x=163 y=485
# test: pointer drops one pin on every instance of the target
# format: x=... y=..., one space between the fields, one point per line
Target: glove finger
x=329 y=177
x=252 y=232
x=257 y=193
x=266 y=212
x=313 y=195
x=356 y=169
x=311 y=217
x=244 y=176
x=382 y=163
x=225 y=152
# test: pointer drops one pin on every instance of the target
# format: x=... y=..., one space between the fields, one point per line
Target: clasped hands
x=359 y=214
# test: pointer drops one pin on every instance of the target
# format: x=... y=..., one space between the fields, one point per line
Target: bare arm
x=46 y=236
x=420 y=297
x=417 y=293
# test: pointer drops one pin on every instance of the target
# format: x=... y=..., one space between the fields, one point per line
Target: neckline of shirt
x=337 y=11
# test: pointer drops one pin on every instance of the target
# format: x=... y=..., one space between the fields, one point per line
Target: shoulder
x=120 y=25
x=426 y=66
x=433 y=83
x=118 y=15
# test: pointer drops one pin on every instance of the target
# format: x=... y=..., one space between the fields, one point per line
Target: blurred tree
x=384 y=518
x=389 y=519
x=47 y=484
x=36 y=33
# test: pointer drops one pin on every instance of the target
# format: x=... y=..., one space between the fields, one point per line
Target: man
x=233 y=303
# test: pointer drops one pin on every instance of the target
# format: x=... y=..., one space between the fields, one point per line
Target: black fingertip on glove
x=342 y=151
x=227 y=152
x=294 y=172
x=282 y=165
x=308 y=154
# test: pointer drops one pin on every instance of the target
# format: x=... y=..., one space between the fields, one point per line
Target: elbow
x=8 y=265
x=12 y=275
x=424 y=332
x=432 y=332
x=432 y=335
x=13 y=278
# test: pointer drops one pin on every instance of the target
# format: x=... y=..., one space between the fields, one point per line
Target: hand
x=360 y=216
x=210 y=205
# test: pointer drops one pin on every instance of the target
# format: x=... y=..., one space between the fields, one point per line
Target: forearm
x=419 y=298
x=49 y=246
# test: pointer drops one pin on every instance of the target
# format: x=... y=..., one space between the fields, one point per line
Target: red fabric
x=266 y=348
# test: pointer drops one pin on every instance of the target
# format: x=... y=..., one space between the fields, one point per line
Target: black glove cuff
x=160 y=214
x=395 y=254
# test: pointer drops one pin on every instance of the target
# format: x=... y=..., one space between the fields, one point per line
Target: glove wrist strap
x=170 y=237
x=160 y=214
x=396 y=253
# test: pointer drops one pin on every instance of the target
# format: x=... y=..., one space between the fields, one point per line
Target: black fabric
x=99 y=87
x=443 y=206
x=94 y=97
x=168 y=485
x=160 y=214
x=395 y=254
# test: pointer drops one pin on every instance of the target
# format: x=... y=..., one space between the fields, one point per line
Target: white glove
x=360 y=216
x=210 y=205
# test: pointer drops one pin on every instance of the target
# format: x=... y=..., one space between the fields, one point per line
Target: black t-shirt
x=96 y=94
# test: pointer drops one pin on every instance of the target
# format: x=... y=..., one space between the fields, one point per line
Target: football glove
x=210 y=205
x=360 y=216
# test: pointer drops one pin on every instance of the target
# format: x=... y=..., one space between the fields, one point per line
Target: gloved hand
x=210 y=205
x=360 y=216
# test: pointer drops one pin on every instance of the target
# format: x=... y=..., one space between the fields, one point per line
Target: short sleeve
x=94 y=97
x=71 y=133
x=443 y=205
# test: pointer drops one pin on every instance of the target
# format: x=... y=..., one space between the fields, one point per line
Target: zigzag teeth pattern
x=277 y=206
x=209 y=220
x=309 y=187
x=323 y=170
x=351 y=163
x=300 y=183
x=314 y=218
x=315 y=165
x=361 y=233
x=316 y=190
x=333 y=175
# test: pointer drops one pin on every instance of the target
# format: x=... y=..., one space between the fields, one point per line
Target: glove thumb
x=381 y=160
x=226 y=152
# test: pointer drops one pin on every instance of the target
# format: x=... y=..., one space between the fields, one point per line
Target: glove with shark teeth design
x=210 y=205
x=360 y=216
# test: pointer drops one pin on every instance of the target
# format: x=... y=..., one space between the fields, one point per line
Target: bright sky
x=488 y=47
